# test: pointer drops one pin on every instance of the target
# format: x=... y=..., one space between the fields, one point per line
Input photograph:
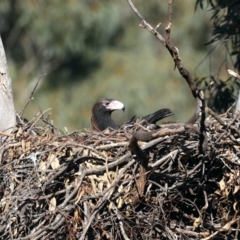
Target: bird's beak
x=115 y=105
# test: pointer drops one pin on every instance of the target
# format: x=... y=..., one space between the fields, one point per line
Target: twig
x=6 y=134
x=168 y=28
x=30 y=128
x=143 y=161
x=175 y=55
x=125 y=237
x=32 y=93
x=107 y=194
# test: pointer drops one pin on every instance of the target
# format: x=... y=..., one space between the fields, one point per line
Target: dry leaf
x=85 y=153
x=236 y=188
x=218 y=192
x=11 y=153
x=79 y=195
x=120 y=189
x=120 y=203
x=76 y=216
x=52 y=204
x=42 y=165
x=54 y=162
x=100 y=186
x=110 y=206
x=15 y=231
x=5 y=204
x=56 y=144
x=222 y=185
x=227 y=191
x=197 y=223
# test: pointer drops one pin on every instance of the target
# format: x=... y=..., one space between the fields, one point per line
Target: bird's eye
x=106 y=103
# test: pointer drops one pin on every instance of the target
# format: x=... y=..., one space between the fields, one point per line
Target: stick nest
x=84 y=185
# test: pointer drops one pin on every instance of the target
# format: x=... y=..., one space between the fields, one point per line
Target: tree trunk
x=7 y=110
x=238 y=104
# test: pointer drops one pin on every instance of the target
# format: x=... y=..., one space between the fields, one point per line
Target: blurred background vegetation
x=94 y=48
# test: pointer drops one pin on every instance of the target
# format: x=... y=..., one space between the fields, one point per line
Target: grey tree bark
x=7 y=109
x=236 y=75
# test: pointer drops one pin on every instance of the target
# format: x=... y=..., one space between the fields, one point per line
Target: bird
x=101 y=113
x=103 y=108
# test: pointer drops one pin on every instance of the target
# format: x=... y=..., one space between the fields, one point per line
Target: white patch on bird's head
x=114 y=105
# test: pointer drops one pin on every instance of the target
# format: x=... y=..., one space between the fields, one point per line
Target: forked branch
x=176 y=57
x=197 y=94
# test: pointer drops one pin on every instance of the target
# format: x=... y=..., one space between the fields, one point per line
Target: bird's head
x=101 y=113
x=107 y=105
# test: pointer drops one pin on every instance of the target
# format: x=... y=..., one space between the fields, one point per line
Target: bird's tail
x=151 y=118
x=158 y=115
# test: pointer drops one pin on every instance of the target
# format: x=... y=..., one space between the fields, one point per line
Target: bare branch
x=32 y=93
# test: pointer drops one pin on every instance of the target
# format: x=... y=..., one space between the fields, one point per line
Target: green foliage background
x=94 y=48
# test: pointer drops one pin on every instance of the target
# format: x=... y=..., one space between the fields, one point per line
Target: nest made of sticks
x=85 y=185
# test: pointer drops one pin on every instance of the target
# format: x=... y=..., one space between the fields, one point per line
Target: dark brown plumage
x=103 y=108
x=101 y=113
x=152 y=118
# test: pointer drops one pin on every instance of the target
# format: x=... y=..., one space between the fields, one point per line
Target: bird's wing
x=158 y=115
x=152 y=118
